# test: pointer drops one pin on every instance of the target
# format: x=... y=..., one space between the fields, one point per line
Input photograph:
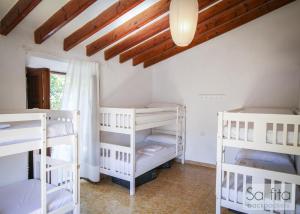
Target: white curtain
x=80 y=93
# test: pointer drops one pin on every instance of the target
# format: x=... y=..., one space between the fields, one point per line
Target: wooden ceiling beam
x=154 y=41
x=16 y=14
x=125 y=56
x=215 y=14
x=138 y=37
x=102 y=20
x=146 y=33
x=59 y=19
x=131 y=25
x=220 y=29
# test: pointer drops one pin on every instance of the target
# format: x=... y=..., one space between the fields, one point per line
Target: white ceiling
x=48 y=7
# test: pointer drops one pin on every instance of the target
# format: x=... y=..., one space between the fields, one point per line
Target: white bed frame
x=67 y=173
x=260 y=122
x=119 y=161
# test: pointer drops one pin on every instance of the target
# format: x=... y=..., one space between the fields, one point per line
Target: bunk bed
x=126 y=159
x=55 y=187
x=268 y=144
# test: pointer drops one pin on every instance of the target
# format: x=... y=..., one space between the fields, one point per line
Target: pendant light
x=183 y=21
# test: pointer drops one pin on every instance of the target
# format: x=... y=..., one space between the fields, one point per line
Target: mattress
x=279 y=166
x=269 y=137
x=267 y=110
x=54 y=129
x=25 y=197
x=154 y=117
x=152 y=153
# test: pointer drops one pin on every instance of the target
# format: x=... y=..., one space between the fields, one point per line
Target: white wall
x=121 y=85
x=257 y=64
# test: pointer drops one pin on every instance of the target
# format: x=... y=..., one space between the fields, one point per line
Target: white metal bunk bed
x=55 y=187
x=123 y=160
x=265 y=131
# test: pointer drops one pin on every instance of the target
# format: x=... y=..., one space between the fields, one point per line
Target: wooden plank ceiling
x=145 y=38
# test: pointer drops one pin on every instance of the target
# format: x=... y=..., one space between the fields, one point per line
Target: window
x=57 y=81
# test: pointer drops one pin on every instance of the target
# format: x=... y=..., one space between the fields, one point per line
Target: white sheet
x=54 y=129
x=269 y=137
x=268 y=160
x=164 y=138
x=145 y=160
x=4 y=125
x=154 y=117
x=24 y=197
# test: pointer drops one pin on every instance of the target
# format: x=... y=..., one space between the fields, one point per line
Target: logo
x=267 y=197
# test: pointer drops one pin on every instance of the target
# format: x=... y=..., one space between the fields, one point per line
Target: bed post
x=132 y=146
x=98 y=116
x=76 y=163
x=43 y=164
x=177 y=130
x=219 y=163
x=183 y=132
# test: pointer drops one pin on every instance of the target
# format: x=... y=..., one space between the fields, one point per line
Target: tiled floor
x=181 y=189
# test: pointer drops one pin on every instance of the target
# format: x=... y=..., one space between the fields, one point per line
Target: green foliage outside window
x=57 y=82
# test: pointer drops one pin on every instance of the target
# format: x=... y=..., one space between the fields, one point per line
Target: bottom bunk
x=155 y=150
x=261 y=182
x=60 y=189
x=25 y=197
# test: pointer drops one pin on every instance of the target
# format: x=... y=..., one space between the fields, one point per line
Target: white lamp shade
x=183 y=21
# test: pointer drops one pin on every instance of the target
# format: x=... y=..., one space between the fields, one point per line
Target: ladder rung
x=63 y=186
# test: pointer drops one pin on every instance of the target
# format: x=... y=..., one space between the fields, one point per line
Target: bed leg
x=182 y=159
x=132 y=187
x=77 y=209
x=218 y=206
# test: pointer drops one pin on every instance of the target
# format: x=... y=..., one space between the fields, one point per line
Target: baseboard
x=208 y=165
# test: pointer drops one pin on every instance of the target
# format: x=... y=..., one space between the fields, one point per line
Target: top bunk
x=27 y=130
x=127 y=120
x=263 y=129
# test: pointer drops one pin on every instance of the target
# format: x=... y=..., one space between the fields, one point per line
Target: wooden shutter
x=38 y=96
x=38 y=88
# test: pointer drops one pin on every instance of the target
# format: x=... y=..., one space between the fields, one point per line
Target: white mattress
x=54 y=129
x=269 y=138
x=267 y=110
x=145 y=158
x=154 y=117
x=25 y=197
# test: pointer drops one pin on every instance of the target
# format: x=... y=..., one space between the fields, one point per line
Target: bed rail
x=19 y=134
x=60 y=115
x=32 y=114
x=122 y=120
x=155 y=110
x=61 y=176
x=115 y=161
x=23 y=136
x=241 y=185
x=116 y=120
x=265 y=132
